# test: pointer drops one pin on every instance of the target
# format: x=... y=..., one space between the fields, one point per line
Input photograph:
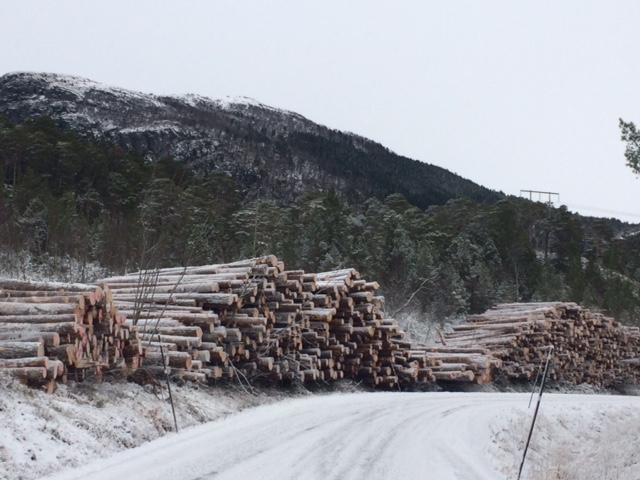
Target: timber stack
x=49 y=330
x=254 y=320
x=588 y=347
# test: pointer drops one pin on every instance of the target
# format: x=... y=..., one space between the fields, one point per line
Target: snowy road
x=437 y=436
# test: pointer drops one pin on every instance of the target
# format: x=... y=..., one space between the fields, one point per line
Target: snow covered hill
x=439 y=436
x=267 y=151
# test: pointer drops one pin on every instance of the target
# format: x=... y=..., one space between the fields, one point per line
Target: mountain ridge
x=271 y=152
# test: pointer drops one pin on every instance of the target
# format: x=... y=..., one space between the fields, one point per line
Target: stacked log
x=177 y=339
x=247 y=333
x=197 y=323
x=266 y=323
x=49 y=330
x=254 y=321
x=360 y=341
x=588 y=347
x=261 y=322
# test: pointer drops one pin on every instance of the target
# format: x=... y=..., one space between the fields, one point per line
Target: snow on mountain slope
x=440 y=436
x=267 y=151
x=81 y=87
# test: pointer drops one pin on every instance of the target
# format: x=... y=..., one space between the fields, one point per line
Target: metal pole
x=535 y=414
x=535 y=384
x=168 y=383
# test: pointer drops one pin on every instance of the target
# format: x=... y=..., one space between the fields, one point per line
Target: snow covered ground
x=439 y=436
x=41 y=434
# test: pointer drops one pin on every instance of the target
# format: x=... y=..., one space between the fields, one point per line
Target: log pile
x=49 y=330
x=255 y=320
x=589 y=347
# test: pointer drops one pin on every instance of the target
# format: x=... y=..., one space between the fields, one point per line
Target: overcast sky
x=512 y=95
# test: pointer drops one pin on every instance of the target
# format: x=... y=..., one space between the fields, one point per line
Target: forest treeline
x=65 y=195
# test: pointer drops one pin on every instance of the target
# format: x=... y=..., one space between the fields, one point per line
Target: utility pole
x=540 y=196
x=550 y=199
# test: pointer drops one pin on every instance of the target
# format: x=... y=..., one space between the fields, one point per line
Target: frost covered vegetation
x=65 y=196
x=43 y=433
x=579 y=441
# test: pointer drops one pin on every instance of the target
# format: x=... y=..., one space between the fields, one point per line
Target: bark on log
x=27 y=374
x=53 y=318
x=10 y=349
x=40 y=309
x=24 y=362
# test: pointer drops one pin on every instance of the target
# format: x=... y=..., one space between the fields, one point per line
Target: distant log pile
x=588 y=347
x=255 y=320
x=49 y=330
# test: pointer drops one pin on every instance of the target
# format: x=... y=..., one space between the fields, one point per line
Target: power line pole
x=539 y=196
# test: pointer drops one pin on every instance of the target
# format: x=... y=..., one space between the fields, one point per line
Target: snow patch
x=229 y=102
x=80 y=87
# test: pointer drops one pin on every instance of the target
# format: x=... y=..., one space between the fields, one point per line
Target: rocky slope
x=267 y=151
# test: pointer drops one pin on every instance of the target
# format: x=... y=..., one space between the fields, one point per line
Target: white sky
x=511 y=94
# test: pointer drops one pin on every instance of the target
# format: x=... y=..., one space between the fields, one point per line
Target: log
x=51 y=339
x=66 y=353
x=24 y=362
x=182 y=342
x=76 y=299
x=10 y=349
x=27 y=374
x=13 y=309
x=12 y=284
x=63 y=328
x=467 y=375
x=20 y=318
